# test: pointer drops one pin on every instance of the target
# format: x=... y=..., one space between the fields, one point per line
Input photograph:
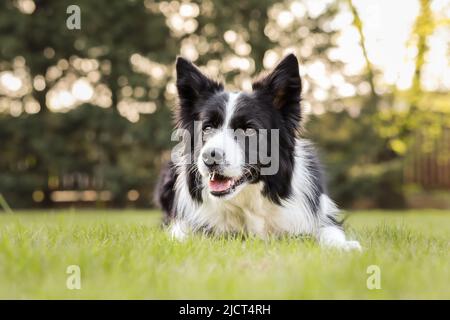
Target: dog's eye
x=207 y=129
x=250 y=132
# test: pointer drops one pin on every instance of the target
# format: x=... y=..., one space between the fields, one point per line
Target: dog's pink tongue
x=219 y=185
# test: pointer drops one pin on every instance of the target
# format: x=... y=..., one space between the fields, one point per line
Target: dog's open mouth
x=220 y=185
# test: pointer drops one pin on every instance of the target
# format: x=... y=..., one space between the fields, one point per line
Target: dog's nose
x=213 y=157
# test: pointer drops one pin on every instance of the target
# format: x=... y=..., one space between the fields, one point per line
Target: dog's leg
x=179 y=230
x=330 y=232
x=334 y=237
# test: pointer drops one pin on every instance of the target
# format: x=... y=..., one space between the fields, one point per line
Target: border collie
x=218 y=182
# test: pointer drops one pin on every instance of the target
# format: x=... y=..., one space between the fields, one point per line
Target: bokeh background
x=85 y=115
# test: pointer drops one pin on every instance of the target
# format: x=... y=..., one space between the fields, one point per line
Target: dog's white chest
x=249 y=213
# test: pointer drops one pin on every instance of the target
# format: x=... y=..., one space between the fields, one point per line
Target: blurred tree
x=368 y=158
x=127 y=47
x=93 y=108
x=101 y=143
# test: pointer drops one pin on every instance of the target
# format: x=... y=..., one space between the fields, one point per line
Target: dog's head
x=244 y=138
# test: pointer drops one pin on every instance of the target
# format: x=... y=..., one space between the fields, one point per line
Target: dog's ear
x=283 y=86
x=192 y=83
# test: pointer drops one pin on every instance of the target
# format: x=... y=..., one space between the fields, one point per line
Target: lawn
x=125 y=254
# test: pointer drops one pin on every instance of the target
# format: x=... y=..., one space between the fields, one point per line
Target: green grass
x=126 y=255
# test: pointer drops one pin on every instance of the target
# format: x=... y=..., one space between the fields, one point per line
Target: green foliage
x=363 y=152
x=39 y=149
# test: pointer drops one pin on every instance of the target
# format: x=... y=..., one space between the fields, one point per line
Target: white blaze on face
x=223 y=138
x=230 y=108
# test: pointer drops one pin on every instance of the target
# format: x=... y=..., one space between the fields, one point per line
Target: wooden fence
x=428 y=165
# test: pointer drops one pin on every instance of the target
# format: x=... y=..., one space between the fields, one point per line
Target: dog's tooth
x=213 y=174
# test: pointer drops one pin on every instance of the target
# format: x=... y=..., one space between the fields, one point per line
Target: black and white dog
x=223 y=184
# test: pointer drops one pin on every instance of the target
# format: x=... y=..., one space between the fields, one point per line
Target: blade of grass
x=5 y=205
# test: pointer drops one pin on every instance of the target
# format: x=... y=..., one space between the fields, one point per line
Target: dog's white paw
x=179 y=231
x=333 y=237
x=351 y=245
x=344 y=245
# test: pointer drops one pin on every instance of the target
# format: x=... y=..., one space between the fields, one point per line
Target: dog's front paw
x=351 y=245
x=333 y=237
x=343 y=245
x=179 y=231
